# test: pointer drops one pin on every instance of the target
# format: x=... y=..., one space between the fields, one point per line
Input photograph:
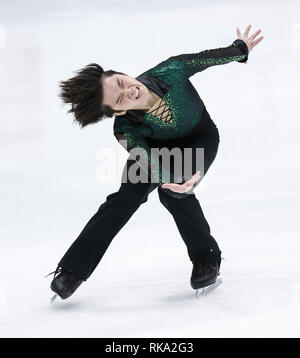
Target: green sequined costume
x=182 y=99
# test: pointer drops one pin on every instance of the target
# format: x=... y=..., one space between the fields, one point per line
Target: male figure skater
x=158 y=109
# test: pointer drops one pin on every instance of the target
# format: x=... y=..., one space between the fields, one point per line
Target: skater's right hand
x=183 y=188
x=249 y=41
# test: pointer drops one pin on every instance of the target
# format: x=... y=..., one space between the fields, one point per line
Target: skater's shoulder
x=170 y=71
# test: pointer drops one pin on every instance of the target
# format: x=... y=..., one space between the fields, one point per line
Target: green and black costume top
x=170 y=80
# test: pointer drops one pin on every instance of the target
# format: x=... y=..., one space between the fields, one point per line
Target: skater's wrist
x=243 y=47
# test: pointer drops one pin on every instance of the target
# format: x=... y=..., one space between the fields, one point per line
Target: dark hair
x=85 y=93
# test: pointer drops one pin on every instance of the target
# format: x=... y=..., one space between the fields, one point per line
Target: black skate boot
x=205 y=277
x=64 y=284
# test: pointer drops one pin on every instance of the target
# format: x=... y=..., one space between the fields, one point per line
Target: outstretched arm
x=237 y=51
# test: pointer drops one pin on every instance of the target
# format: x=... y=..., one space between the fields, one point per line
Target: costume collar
x=154 y=84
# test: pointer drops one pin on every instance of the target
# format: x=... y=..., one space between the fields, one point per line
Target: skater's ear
x=119 y=113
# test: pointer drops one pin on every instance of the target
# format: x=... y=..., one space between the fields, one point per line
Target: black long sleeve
x=197 y=62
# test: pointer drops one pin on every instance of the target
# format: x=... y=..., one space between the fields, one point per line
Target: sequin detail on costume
x=196 y=62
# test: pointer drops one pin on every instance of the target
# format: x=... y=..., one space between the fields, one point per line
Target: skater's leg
x=87 y=250
x=186 y=209
x=193 y=227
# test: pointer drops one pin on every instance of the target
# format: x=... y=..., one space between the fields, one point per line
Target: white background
x=51 y=186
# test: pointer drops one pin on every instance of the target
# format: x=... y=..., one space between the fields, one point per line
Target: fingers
x=181 y=188
x=249 y=41
x=171 y=186
x=193 y=179
x=196 y=177
x=165 y=185
x=191 y=182
x=257 y=41
x=247 y=31
x=178 y=188
x=252 y=37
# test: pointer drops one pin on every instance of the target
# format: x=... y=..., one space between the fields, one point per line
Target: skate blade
x=205 y=290
x=53 y=298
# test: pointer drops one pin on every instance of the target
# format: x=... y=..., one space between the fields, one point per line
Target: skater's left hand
x=250 y=42
x=184 y=187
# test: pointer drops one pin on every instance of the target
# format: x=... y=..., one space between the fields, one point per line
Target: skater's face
x=122 y=93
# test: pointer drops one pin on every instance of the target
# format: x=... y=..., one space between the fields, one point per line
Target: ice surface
x=51 y=184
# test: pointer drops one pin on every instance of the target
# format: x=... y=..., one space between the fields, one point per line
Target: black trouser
x=87 y=250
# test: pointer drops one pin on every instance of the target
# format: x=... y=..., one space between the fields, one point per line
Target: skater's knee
x=132 y=192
